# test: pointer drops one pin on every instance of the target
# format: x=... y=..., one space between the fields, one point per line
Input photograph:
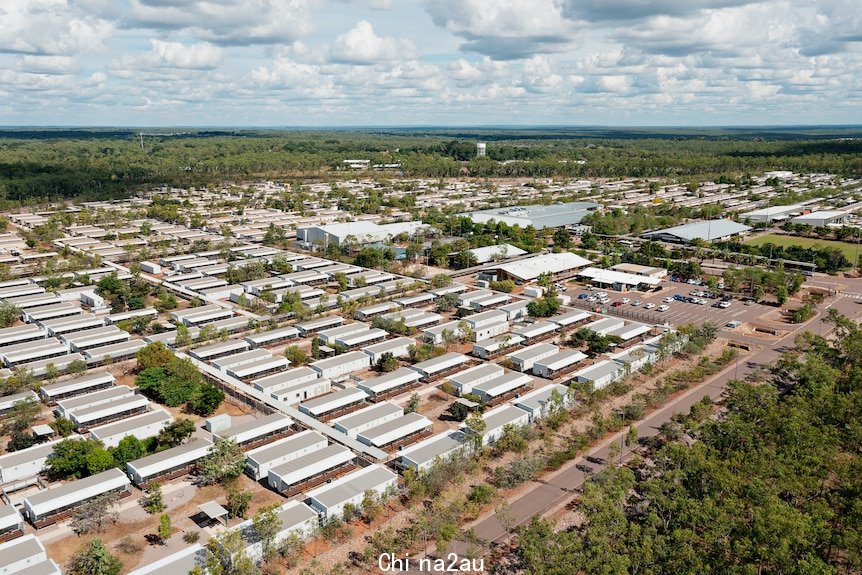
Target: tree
x=370 y=505
x=62 y=426
x=154 y=501
x=387 y=363
x=175 y=433
x=95 y=515
x=78 y=366
x=129 y=449
x=155 y=355
x=781 y=295
x=458 y=411
x=505 y=286
x=295 y=355
x=267 y=525
x=94 y=559
x=413 y=403
x=165 y=530
x=237 y=502
x=68 y=460
x=562 y=238
x=477 y=426
x=440 y=280
x=99 y=460
x=206 y=400
x=315 y=348
x=9 y=313
x=224 y=461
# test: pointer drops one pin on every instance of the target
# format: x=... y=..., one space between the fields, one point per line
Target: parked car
x=668 y=299
x=723 y=304
x=592 y=298
x=617 y=303
x=583 y=296
x=749 y=302
x=637 y=303
x=625 y=300
x=650 y=305
x=663 y=307
x=733 y=323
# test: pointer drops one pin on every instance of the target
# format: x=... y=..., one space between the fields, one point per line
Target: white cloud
x=197 y=56
x=49 y=27
x=504 y=29
x=362 y=46
x=227 y=22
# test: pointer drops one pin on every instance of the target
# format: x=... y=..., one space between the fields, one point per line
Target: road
x=558 y=489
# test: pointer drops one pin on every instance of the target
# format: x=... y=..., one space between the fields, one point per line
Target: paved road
x=558 y=489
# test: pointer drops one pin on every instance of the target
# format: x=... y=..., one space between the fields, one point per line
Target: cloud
x=362 y=46
x=197 y=56
x=49 y=27
x=504 y=29
x=226 y=22
x=627 y=10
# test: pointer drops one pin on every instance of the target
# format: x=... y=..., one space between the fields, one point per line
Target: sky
x=284 y=63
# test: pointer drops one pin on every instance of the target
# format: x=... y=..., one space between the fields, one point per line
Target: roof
x=534 y=350
x=282 y=447
x=538 y=216
x=774 y=210
x=79 y=490
x=256 y=427
x=179 y=562
x=310 y=464
x=530 y=268
x=212 y=510
x=365 y=231
x=190 y=451
x=705 y=230
x=599 y=370
x=499 y=252
x=351 y=485
x=396 y=428
x=19 y=550
x=539 y=397
x=821 y=215
x=617 y=277
x=368 y=414
x=129 y=424
x=440 y=363
x=433 y=447
x=503 y=415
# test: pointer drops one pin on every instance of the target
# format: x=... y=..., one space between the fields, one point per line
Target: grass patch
x=781 y=240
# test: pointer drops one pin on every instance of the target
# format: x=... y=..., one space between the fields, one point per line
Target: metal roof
x=351 y=485
x=706 y=230
x=530 y=268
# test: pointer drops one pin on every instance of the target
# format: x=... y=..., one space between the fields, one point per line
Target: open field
x=782 y=240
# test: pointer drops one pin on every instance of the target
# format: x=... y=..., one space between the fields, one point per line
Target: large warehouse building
x=561 y=265
x=363 y=232
x=538 y=216
x=710 y=231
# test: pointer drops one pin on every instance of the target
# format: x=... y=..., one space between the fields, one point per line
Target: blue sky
x=440 y=62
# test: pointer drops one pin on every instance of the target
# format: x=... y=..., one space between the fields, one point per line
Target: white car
x=592 y=298
x=637 y=302
x=668 y=299
x=625 y=300
x=602 y=294
x=723 y=304
x=650 y=305
x=663 y=307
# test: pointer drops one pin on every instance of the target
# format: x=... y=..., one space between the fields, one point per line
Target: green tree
x=94 y=559
x=175 y=433
x=154 y=502
x=206 y=400
x=387 y=363
x=413 y=403
x=237 y=502
x=9 y=314
x=267 y=525
x=224 y=461
x=99 y=460
x=129 y=449
x=68 y=460
x=165 y=529
x=295 y=355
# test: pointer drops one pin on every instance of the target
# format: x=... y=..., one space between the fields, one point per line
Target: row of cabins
x=297 y=518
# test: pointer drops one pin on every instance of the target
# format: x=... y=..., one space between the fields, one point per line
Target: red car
x=617 y=304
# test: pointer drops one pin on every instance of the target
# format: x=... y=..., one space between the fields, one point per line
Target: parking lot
x=678 y=313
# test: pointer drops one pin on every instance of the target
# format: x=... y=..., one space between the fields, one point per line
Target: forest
x=770 y=483
x=36 y=166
